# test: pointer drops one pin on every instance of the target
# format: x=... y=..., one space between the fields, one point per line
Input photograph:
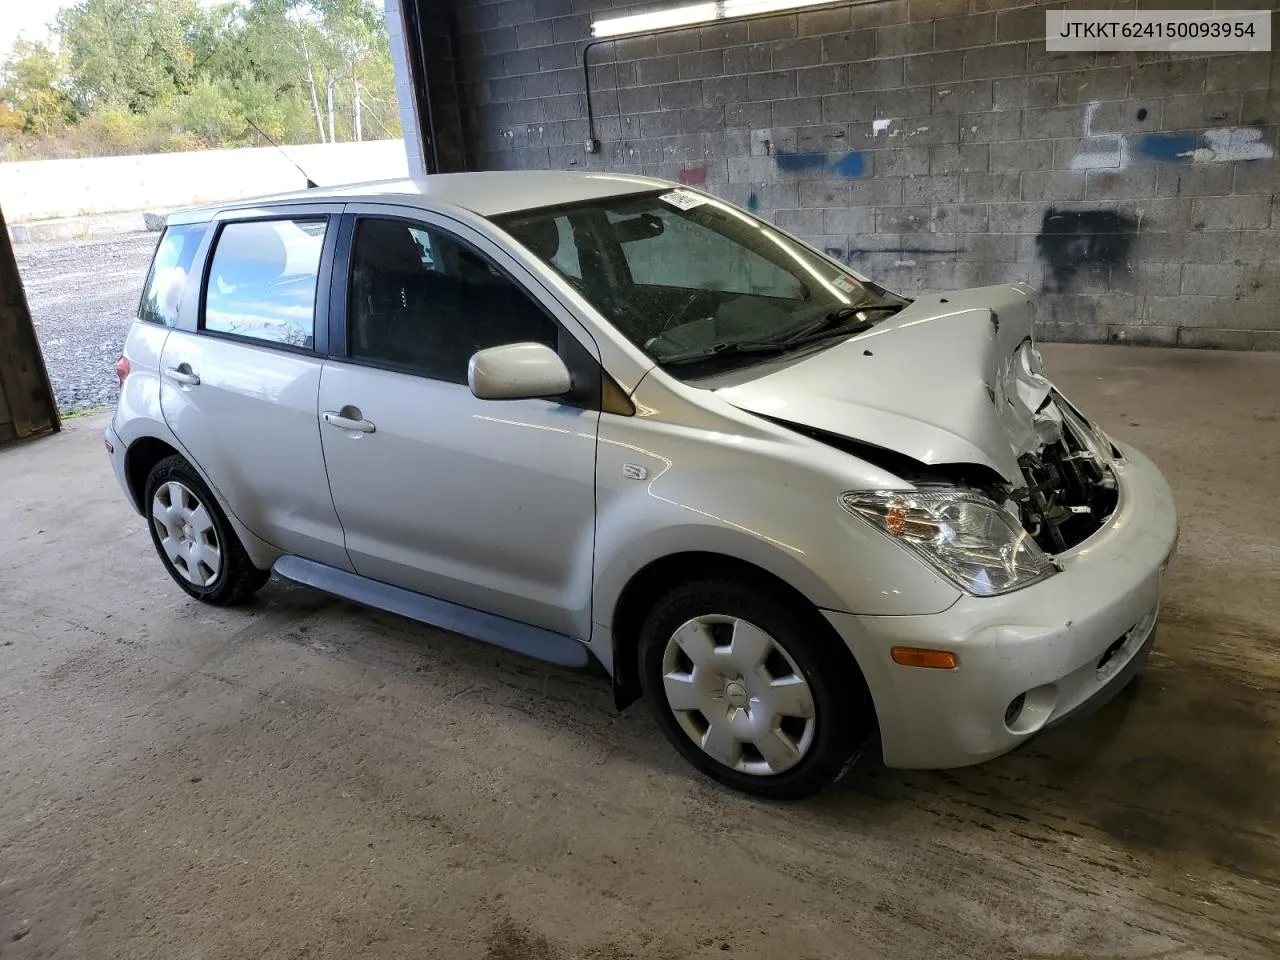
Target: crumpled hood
x=953 y=378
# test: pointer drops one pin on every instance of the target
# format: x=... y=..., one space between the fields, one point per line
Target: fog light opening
x=1014 y=710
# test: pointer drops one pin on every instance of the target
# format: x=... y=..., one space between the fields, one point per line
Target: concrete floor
x=305 y=779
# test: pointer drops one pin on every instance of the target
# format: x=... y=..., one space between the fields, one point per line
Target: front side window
x=425 y=302
x=262 y=281
x=170 y=268
x=693 y=280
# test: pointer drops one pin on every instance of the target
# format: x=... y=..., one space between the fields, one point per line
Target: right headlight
x=964 y=536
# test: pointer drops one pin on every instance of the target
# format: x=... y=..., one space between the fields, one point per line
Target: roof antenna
x=311 y=184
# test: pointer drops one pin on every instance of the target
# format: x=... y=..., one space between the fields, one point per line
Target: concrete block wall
x=928 y=143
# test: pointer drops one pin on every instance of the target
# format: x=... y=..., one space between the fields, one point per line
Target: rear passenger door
x=240 y=374
x=488 y=504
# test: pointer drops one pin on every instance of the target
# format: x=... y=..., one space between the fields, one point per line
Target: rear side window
x=262 y=280
x=170 y=268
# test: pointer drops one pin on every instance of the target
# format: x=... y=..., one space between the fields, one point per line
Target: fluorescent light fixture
x=745 y=8
x=656 y=20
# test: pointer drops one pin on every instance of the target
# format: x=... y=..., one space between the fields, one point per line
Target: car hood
x=950 y=379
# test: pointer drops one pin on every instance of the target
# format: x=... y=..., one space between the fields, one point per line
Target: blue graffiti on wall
x=1168 y=147
x=851 y=164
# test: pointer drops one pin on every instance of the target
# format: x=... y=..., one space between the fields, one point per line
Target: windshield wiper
x=834 y=322
x=723 y=349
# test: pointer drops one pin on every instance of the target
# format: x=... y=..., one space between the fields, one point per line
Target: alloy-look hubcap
x=186 y=533
x=738 y=694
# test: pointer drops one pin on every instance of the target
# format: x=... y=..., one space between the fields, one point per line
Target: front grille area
x=1070 y=488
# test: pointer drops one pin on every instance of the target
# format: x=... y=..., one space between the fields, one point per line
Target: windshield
x=693 y=280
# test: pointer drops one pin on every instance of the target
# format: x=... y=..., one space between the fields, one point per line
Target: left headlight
x=964 y=536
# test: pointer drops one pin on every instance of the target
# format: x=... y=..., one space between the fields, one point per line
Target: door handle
x=334 y=419
x=184 y=377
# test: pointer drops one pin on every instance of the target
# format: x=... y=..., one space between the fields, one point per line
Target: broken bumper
x=1030 y=658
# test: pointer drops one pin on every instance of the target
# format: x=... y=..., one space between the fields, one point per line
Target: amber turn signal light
x=920 y=657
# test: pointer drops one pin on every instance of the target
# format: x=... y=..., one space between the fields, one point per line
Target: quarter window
x=262 y=282
x=169 y=271
x=425 y=302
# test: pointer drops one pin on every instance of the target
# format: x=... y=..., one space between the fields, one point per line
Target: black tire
x=237 y=578
x=844 y=718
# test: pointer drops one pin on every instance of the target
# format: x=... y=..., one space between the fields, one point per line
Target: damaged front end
x=1069 y=489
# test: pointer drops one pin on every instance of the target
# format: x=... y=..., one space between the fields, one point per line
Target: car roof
x=485 y=194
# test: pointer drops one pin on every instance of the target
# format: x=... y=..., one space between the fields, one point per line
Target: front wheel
x=194 y=539
x=753 y=692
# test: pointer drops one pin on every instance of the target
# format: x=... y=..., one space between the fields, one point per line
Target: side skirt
x=490 y=628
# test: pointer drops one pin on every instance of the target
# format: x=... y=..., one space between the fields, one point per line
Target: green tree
x=31 y=84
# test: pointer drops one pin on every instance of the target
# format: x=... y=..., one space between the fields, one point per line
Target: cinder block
x=1259 y=107
x=1195 y=180
x=751 y=169
x=843 y=107
x=946 y=158
x=936 y=9
x=687 y=93
x=515 y=11
x=562 y=56
x=1003 y=60
x=969 y=96
x=1053 y=331
x=1213 y=280
x=1090 y=153
x=704 y=63
x=802 y=52
x=848 y=220
x=900 y=39
x=990 y=248
x=879 y=14
x=821 y=22
x=1168 y=78
x=720 y=35
x=906 y=162
x=1090 y=86
x=988 y=187
x=1257 y=177
x=679 y=41
x=778 y=196
x=537 y=34
x=1015 y=93
x=903 y=219
x=958 y=32
x=701 y=119
x=1230 y=213
x=818 y=81
x=800 y=220
x=1053 y=122
x=1050 y=186
x=1200 y=110
x=931 y=189
x=751 y=58
x=880 y=191
x=905 y=102
x=1024 y=24
x=1015 y=217
x=998 y=126
x=748 y=114
x=959 y=217
x=772 y=28
x=776 y=85
x=947 y=67
x=1130 y=115
x=633 y=100
x=881 y=74
x=823 y=193
x=1245 y=71
x=802 y=110
x=719 y=90
x=1136 y=182
x=1018 y=155
x=1041 y=62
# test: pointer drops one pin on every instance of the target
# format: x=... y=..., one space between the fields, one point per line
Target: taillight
x=122 y=368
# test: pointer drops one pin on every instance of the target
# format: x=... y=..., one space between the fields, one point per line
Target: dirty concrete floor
x=305 y=779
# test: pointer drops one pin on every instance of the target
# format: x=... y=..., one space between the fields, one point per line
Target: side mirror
x=518 y=371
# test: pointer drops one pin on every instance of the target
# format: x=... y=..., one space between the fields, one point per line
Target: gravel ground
x=83 y=295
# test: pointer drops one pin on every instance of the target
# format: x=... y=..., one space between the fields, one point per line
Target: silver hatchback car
x=611 y=420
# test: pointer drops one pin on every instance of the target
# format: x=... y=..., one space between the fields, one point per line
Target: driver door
x=489 y=504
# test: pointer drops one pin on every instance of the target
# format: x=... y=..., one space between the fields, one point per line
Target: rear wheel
x=751 y=691
x=195 y=541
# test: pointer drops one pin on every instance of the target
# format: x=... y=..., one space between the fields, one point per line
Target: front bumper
x=1063 y=645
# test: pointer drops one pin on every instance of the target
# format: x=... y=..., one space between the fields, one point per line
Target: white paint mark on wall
x=880 y=126
x=1110 y=152
x=1228 y=144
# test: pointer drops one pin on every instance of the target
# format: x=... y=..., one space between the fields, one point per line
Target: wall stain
x=1167 y=147
x=849 y=255
x=753 y=202
x=694 y=176
x=1070 y=240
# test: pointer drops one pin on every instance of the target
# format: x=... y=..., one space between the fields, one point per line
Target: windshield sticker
x=844 y=283
x=683 y=199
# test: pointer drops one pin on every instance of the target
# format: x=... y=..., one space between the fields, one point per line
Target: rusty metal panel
x=27 y=405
